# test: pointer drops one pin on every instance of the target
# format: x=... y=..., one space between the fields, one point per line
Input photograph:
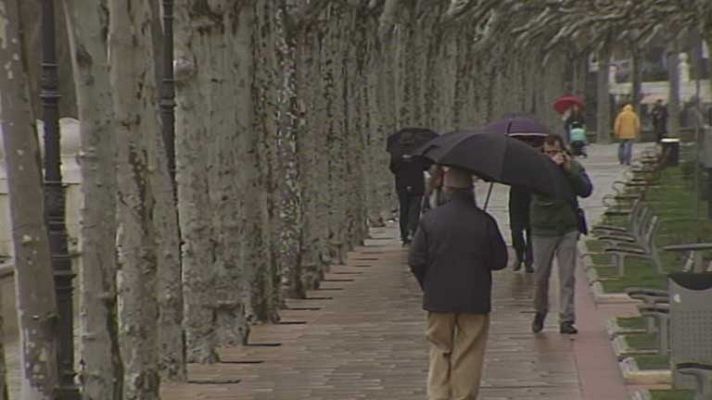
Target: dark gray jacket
x=453 y=254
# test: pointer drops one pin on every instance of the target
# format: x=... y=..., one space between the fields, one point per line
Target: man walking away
x=659 y=116
x=519 y=225
x=455 y=250
x=410 y=186
x=627 y=129
x=556 y=225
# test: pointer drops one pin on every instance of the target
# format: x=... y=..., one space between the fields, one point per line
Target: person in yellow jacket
x=626 y=129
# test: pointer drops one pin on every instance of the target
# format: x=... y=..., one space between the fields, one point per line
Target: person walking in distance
x=519 y=225
x=454 y=251
x=626 y=129
x=410 y=186
x=659 y=115
x=556 y=225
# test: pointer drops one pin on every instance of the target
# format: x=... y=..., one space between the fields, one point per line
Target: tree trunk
x=172 y=364
x=194 y=48
x=36 y=302
x=289 y=170
x=135 y=96
x=315 y=241
x=102 y=369
x=266 y=278
x=636 y=78
x=674 y=90
x=603 y=100
x=4 y=395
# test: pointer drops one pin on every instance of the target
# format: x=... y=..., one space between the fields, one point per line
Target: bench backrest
x=649 y=243
x=690 y=322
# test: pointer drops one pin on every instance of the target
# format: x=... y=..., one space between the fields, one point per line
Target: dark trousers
x=522 y=243
x=409 y=213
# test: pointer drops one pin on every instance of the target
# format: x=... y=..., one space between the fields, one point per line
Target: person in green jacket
x=556 y=226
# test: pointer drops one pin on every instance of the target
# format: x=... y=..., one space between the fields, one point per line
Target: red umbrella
x=563 y=103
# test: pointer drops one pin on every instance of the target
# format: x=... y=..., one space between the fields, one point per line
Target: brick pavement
x=361 y=335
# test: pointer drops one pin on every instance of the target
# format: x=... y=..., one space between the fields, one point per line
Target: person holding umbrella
x=556 y=225
x=570 y=107
x=454 y=251
x=408 y=170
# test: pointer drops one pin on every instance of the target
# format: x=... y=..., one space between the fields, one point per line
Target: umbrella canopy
x=408 y=140
x=499 y=158
x=519 y=126
x=563 y=103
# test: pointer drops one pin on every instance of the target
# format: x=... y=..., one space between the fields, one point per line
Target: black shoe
x=538 y=323
x=568 y=328
x=517 y=266
x=528 y=268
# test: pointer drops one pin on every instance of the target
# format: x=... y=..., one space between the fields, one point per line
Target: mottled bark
x=288 y=171
x=333 y=73
x=102 y=370
x=36 y=303
x=673 y=105
x=171 y=338
x=603 y=102
x=636 y=78
x=211 y=45
x=4 y=394
x=266 y=282
x=315 y=206
x=134 y=95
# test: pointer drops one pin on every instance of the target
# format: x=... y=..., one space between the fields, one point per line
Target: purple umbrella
x=518 y=126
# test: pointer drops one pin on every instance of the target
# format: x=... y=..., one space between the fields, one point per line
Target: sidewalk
x=361 y=335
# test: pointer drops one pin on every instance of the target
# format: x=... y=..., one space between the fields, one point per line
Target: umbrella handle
x=489 y=194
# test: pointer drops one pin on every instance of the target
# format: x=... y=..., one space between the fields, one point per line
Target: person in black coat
x=453 y=254
x=410 y=186
x=659 y=116
x=519 y=224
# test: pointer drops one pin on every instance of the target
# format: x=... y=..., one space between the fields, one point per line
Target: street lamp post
x=54 y=208
x=167 y=102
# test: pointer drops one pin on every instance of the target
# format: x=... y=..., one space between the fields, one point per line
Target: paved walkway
x=361 y=336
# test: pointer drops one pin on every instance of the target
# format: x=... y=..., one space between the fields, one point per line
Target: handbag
x=581 y=219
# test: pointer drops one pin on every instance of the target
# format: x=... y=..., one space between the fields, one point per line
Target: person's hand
x=566 y=161
x=558 y=158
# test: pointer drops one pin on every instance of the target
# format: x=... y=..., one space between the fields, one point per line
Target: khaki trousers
x=457 y=352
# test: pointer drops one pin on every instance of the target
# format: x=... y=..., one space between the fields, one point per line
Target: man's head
x=455 y=178
x=553 y=145
x=555 y=149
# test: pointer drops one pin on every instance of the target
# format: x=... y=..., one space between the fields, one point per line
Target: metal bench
x=691 y=331
x=645 y=248
x=659 y=313
x=650 y=298
x=695 y=250
x=702 y=374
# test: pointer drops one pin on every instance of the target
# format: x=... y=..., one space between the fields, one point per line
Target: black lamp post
x=167 y=102
x=54 y=208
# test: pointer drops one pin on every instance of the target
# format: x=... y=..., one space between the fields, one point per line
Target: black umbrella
x=499 y=158
x=519 y=126
x=408 y=140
